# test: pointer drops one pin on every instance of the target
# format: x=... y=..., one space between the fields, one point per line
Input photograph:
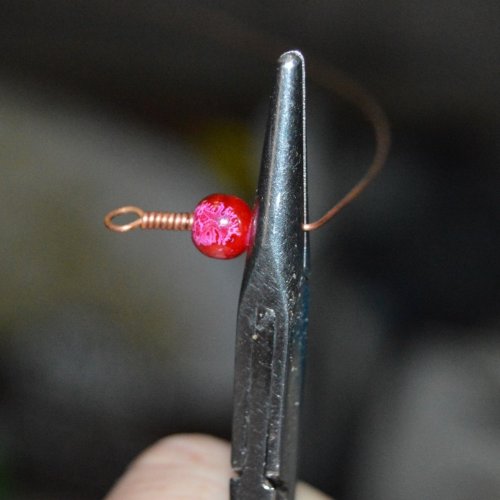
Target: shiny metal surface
x=272 y=316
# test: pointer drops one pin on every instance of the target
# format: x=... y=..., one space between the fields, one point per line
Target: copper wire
x=329 y=78
x=344 y=86
x=167 y=221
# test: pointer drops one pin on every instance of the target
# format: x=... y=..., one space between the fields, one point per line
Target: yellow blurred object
x=227 y=146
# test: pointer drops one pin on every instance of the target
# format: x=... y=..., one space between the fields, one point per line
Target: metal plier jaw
x=272 y=315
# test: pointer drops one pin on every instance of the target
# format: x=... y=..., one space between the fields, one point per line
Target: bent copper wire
x=341 y=84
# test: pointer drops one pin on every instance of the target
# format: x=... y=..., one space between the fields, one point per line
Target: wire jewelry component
x=221 y=224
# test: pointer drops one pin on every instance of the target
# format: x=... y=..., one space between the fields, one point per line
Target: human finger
x=185 y=466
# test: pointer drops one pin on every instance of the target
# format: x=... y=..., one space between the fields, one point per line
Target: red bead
x=221 y=225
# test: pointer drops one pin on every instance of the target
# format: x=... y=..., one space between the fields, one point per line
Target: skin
x=185 y=467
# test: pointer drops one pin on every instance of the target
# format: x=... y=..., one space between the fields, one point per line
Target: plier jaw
x=272 y=314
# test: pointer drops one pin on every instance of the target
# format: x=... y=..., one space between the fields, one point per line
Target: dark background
x=109 y=342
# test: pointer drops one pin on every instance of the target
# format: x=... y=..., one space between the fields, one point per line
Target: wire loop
x=168 y=221
x=123 y=228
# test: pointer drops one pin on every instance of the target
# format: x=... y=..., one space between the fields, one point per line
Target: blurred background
x=109 y=342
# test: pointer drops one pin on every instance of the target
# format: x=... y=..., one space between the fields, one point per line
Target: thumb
x=187 y=466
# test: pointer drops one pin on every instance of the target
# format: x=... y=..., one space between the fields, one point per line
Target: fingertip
x=178 y=466
x=189 y=449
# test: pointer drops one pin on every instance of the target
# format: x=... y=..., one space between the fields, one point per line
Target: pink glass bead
x=221 y=224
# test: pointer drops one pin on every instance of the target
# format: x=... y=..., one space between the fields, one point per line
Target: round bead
x=221 y=224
